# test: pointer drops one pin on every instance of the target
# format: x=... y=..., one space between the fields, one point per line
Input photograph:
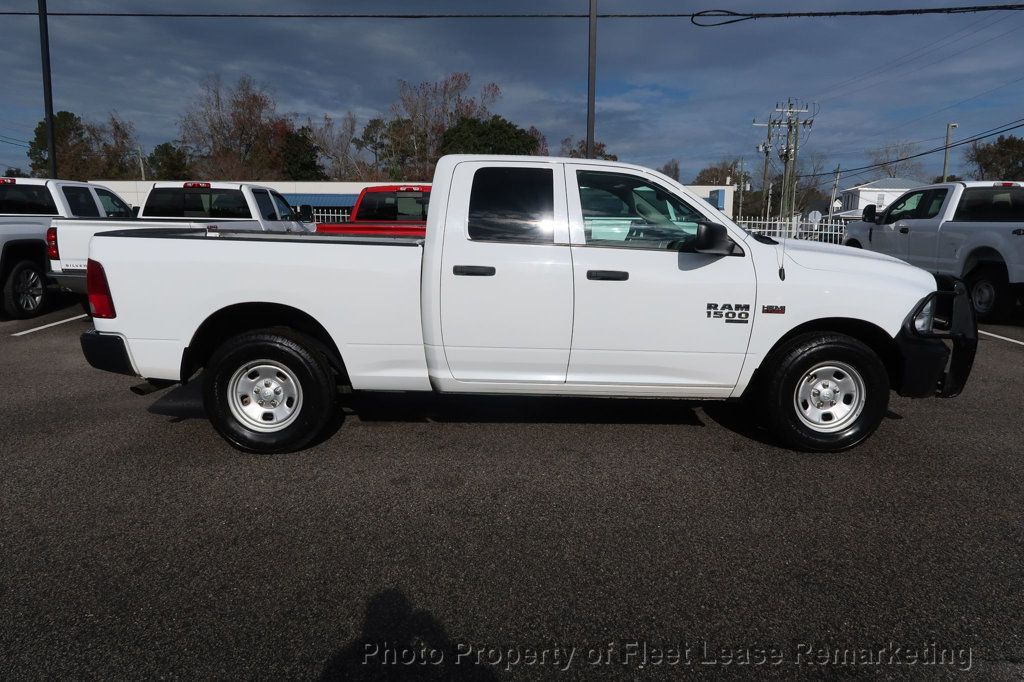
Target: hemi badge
x=773 y=309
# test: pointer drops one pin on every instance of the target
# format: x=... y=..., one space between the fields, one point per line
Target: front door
x=649 y=310
x=923 y=231
x=506 y=274
x=892 y=236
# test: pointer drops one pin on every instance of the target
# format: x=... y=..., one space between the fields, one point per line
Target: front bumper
x=930 y=367
x=107 y=352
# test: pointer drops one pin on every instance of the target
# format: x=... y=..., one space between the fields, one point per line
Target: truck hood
x=837 y=258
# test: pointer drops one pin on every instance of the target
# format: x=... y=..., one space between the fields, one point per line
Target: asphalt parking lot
x=494 y=538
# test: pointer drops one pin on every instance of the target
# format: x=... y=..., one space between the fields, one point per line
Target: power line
x=1012 y=125
x=706 y=18
x=723 y=17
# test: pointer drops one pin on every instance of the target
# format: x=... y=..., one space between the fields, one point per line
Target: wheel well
x=985 y=255
x=873 y=336
x=855 y=243
x=243 y=317
x=15 y=251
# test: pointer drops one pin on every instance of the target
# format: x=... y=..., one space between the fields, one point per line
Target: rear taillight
x=52 y=252
x=101 y=305
x=196 y=185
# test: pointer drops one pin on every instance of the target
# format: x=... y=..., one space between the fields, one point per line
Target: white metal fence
x=330 y=215
x=822 y=231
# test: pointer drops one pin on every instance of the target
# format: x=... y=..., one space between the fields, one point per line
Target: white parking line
x=1001 y=338
x=47 y=326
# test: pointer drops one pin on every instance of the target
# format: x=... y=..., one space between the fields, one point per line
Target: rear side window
x=80 y=202
x=512 y=205
x=26 y=200
x=991 y=205
x=174 y=202
x=265 y=205
x=112 y=204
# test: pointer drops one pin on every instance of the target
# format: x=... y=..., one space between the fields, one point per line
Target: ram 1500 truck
x=28 y=208
x=537 y=276
x=970 y=230
x=386 y=210
x=223 y=205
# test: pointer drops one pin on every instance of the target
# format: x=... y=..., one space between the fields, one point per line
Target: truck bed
x=364 y=290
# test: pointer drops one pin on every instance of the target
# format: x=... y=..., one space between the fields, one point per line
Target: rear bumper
x=107 y=352
x=930 y=366
x=70 y=282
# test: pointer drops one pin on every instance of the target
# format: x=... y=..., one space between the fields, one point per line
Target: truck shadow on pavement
x=399 y=642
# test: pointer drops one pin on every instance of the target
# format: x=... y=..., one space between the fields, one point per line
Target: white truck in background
x=28 y=208
x=190 y=205
x=970 y=230
x=539 y=276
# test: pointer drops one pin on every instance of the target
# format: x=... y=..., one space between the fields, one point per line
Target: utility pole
x=835 y=189
x=742 y=182
x=142 y=163
x=791 y=115
x=945 y=156
x=591 y=77
x=765 y=148
x=44 y=48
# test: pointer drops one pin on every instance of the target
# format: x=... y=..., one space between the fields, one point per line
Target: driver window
x=624 y=210
x=904 y=207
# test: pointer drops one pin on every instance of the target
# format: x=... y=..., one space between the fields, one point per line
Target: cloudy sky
x=665 y=89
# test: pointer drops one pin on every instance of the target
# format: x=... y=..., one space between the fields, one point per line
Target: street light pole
x=44 y=46
x=591 y=77
x=945 y=156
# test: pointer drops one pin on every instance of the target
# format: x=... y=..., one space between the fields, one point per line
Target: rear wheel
x=991 y=295
x=24 y=290
x=825 y=392
x=269 y=391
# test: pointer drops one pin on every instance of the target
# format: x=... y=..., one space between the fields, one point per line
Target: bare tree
x=671 y=169
x=890 y=160
x=232 y=132
x=336 y=141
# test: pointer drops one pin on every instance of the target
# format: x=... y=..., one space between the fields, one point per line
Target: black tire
x=290 y=362
x=990 y=292
x=790 y=370
x=854 y=244
x=24 y=291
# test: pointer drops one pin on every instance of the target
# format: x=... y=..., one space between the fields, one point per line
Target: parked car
x=192 y=205
x=386 y=210
x=971 y=230
x=28 y=208
x=536 y=276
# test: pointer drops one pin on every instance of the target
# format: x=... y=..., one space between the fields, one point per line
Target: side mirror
x=305 y=212
x=870 y=213
x=713 y=239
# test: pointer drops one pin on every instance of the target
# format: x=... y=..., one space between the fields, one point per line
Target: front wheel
x=24 y=291
x=825 y=392
x=269 y=391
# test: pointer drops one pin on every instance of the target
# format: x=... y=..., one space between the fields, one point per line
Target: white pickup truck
x=537 y=276
x=970 y=230
x=224 y=205
x=28 y=208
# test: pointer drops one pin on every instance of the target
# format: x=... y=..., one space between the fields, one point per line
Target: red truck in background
x=388 y=211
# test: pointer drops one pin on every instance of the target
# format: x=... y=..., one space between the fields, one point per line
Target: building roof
x=888 y=183
x=320 y=199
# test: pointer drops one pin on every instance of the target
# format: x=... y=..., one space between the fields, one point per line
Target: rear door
x=506 y=274
x=649 y=311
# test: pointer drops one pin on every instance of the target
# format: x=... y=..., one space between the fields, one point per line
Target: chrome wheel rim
x=829 y=397
x=983 y=295
x=264 y=396
x=29 y=289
